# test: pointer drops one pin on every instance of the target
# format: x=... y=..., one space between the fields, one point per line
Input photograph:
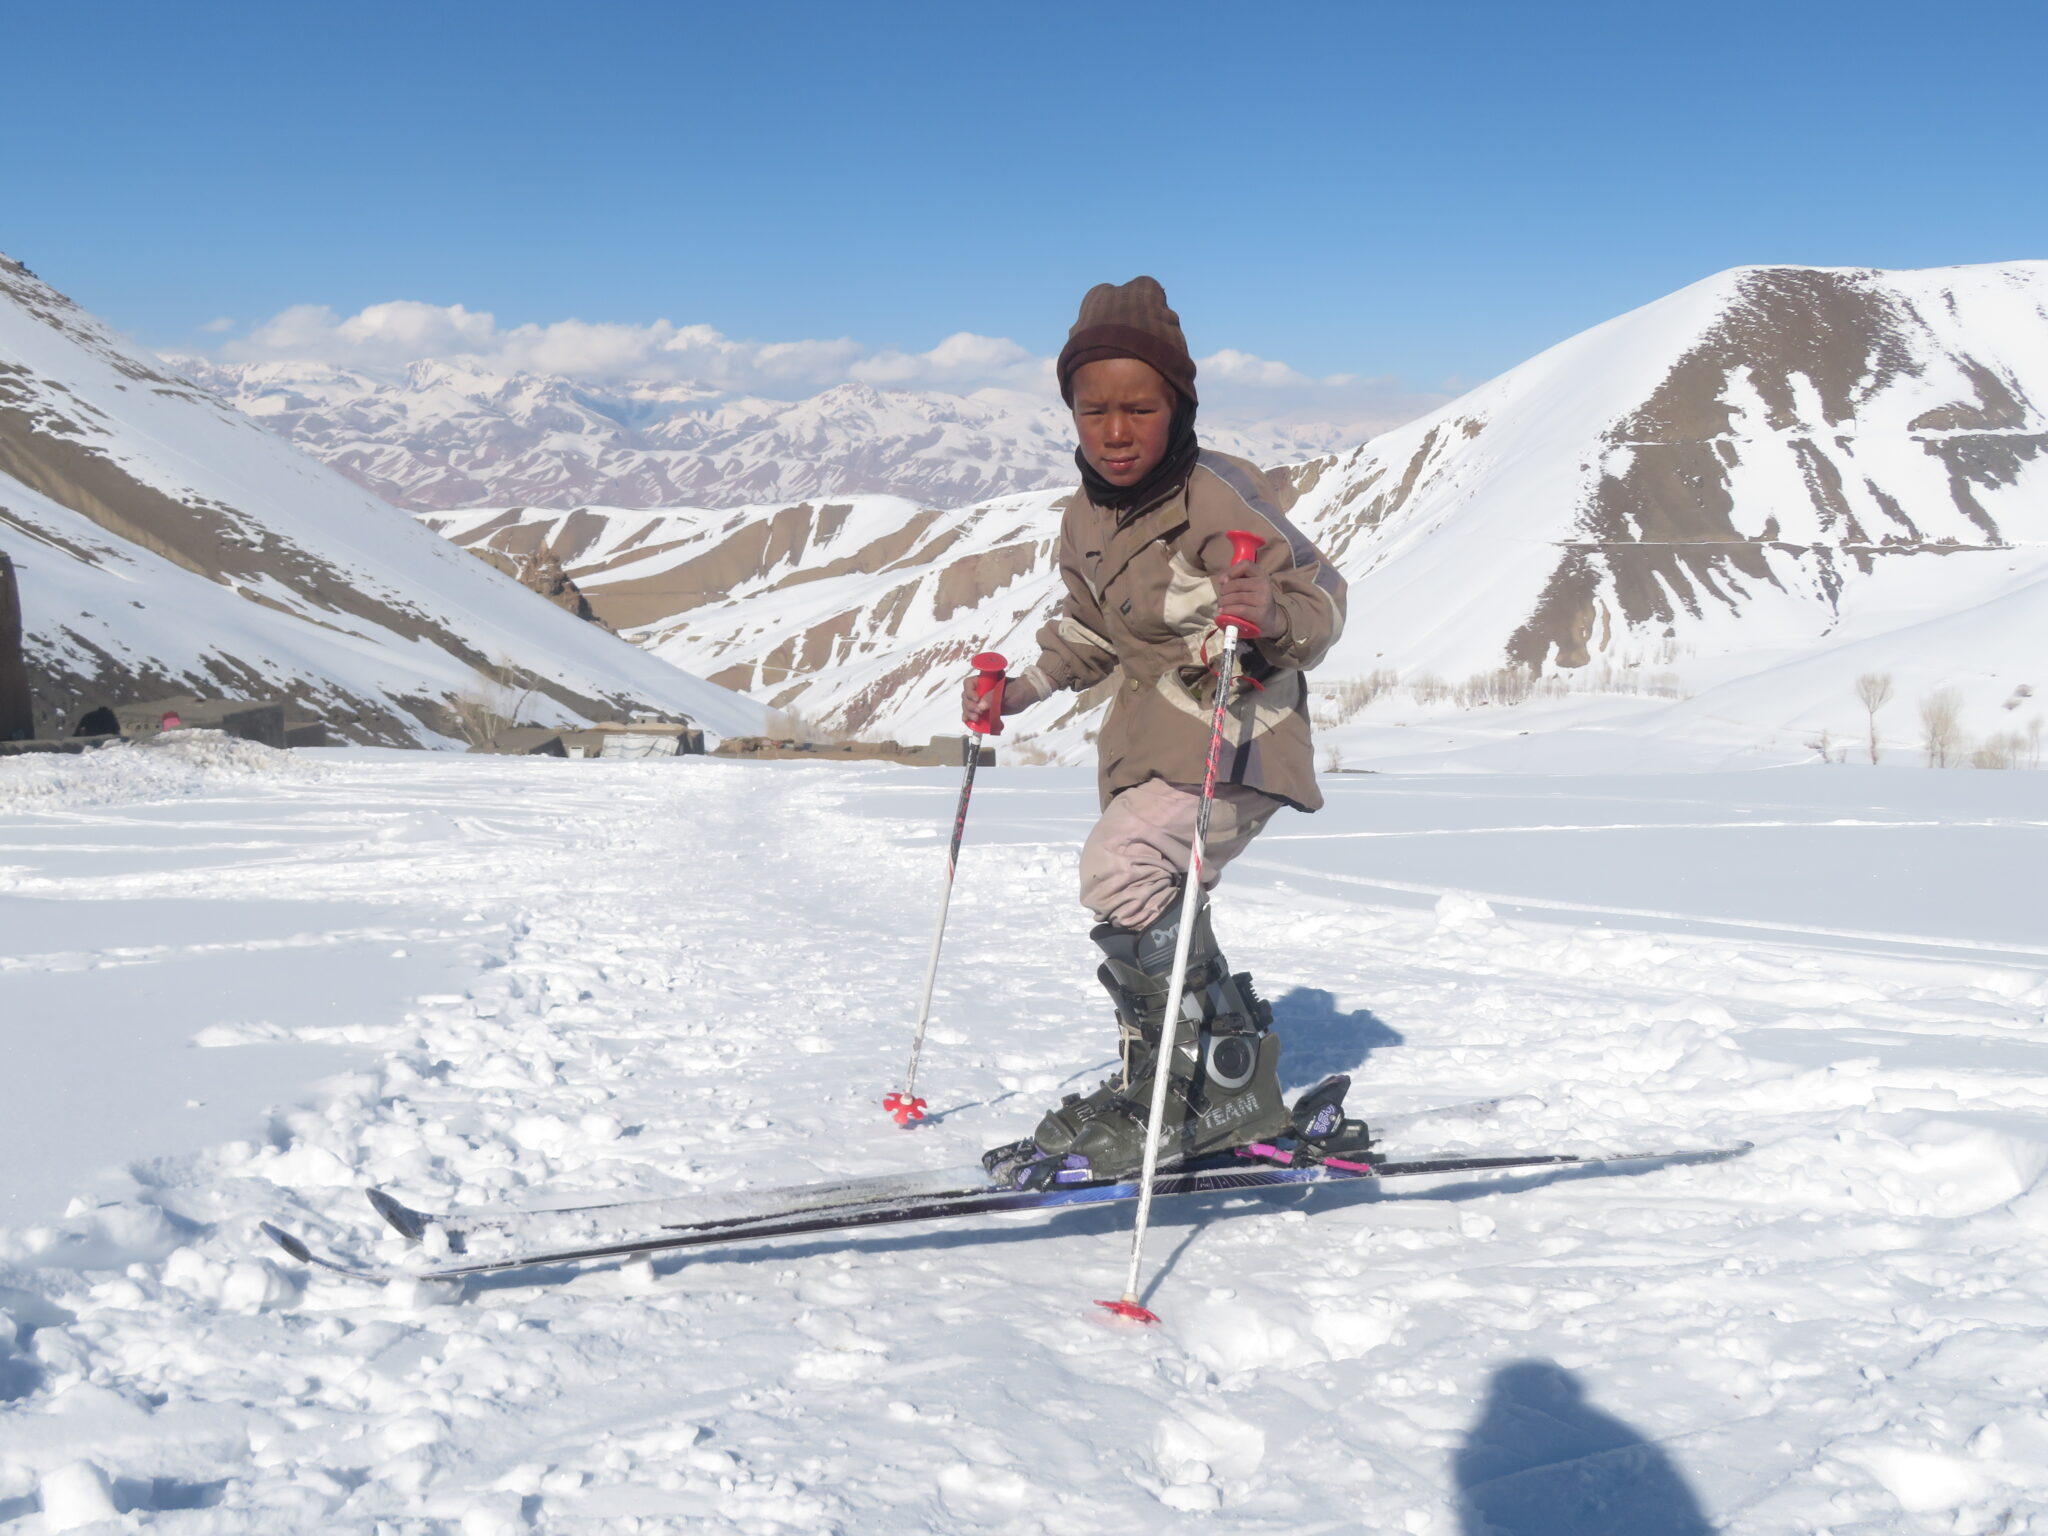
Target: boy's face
x=1123 y=411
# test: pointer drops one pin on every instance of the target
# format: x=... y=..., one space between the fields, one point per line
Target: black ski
x=586 y=1225
x=1213 y=1175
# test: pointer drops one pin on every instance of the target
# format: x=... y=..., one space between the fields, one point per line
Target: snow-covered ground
x=1614 y=732
x=699 y=975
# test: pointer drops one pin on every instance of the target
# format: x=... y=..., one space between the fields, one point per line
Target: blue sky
x=1426 y=194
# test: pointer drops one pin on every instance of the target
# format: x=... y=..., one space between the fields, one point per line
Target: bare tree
x=1428 y=688
x=1873 y=691
x=1830 y=750
x=1503 y=685
x=1340 y=700
x=1941 y=714
x=791 y=724
x=2001 y=750
x=490 y=705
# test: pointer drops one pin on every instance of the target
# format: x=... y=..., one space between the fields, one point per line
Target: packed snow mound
x=168 y=545
x=170 y=766
x=441 y=436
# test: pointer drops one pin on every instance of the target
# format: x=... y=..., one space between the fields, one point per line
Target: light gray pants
x=1140 y=846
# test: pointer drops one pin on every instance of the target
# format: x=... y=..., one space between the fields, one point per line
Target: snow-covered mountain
x=1761 y=449
x=444 y=435
x=1765 y=484
x=166 y=543
x=858 y=614
x=1757 y=488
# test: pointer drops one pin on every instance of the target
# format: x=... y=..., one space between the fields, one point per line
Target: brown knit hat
x=1128 y=320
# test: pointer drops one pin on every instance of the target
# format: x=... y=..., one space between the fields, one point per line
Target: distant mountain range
x=1755 y=490
x=439 y=436
x=166 y=544
x=1762 y=485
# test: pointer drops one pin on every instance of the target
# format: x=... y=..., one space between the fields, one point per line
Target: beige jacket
x=1140 y=598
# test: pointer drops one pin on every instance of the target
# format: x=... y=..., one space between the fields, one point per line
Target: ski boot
x=1223 y=1086
x=1139 y=999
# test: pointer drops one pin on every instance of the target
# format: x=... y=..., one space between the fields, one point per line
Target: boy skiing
x=1147 y=565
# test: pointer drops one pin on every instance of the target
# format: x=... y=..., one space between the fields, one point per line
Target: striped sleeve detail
x=1080 y=634
x=1248 y=491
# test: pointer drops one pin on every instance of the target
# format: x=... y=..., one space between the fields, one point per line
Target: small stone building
x=525 y=741
x=259 y=720
x=939 y=752
x=638 y=738
x=17 y=721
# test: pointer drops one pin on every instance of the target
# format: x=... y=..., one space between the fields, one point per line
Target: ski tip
x=905 y=1111
x=291 y=1245
x=1129 y=1310
x=411 y=1224
x=1720 y=1154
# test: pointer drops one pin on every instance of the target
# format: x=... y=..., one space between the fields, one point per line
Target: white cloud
x=1236 y=367
x=1246 y=390
x=962 y=361
x=382 y=335
x=218 y=327
x=392 y=335
x=1236 y=386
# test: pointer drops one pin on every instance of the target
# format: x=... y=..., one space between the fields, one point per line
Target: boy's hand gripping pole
x=1243 y=547
x=905 y=1106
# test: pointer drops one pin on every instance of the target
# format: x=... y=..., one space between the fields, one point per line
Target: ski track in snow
x=700 y=976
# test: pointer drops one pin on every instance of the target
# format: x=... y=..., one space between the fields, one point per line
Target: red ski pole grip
x=1244 y=550
x=991 y=666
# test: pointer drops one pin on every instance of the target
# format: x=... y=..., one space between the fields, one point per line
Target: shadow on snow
x=1542 y=1461
x=1316 y=1040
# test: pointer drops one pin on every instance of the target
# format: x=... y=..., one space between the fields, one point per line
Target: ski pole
x=1244 y=547
x=905 y=1105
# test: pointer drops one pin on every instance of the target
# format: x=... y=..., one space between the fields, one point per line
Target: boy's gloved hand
x=1246 y=592
x=1021 y=690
